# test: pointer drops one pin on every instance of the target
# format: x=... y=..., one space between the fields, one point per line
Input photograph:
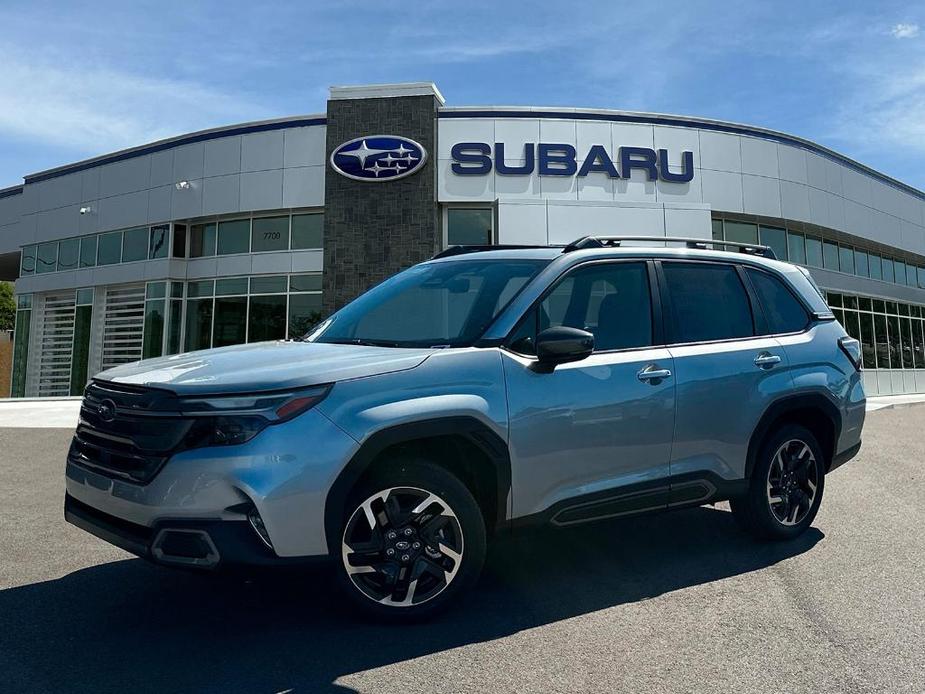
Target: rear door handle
x=766 y=360
x=652 y=374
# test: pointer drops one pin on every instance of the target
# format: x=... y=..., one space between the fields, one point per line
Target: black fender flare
x=783 y=406
x=475 y=431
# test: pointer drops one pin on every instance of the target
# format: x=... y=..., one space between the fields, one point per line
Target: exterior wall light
x=85 y=210
x=182 y=185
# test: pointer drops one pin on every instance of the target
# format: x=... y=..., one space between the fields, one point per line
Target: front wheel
x=786 y=486
x=413 y=540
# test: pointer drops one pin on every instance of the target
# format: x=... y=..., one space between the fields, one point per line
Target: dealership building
x=254 y=231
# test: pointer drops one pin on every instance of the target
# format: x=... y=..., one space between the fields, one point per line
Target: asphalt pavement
x=676 y=602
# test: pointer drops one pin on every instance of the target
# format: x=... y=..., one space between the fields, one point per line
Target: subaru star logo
x=378 y=158
x=107 y=410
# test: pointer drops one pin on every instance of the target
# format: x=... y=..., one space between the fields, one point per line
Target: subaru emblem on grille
x=107 y=410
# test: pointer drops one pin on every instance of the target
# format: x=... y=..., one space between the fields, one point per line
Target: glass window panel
x=155 y=313
x=305 y=283
x=879 y=305
x=68 y=254
x=883 y=342
x=230 y=321
x=46 y=259
x=232 y=285
x=741 y=232
x=708 y=302
x=175 y=321
x=200 y=288
x=888 y=270
x=861 y=266
x=776 y=239
x=876 y=266
x=839 y=316
x=176 y=290
x=273 y=284
x=80 y=352
x=903 y=309
x=85 y=296
x=899 y=268
x=179 y=241
x=864 y=303
x=159 y=242
x=784 y=313
x=830 y=255
x=852 y=324
x=892 y=307
x=198 y=324
x=717 y=225
x=469 y=227
x=88 y=251
x=27 y=262
x=905 y=325
x=846 y=259
x=134 y=245
x=850 y=301
x=234 y=237
x=24 y=301
x=813 y=252
x=922 y=277
x=201 y=240
x=267 y=318
x=796 y=248
x=20 y=353
x=918 y=357
x=156 y=290
x=307 y=230
x=109 y=251
x=896 y=346
x=911 y=279
x=270 y=234
x=304 y=312
x=834 y=299
x=868 y=350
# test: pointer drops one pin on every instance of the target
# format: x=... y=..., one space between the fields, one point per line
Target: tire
x=406 y=524
x=790 y=468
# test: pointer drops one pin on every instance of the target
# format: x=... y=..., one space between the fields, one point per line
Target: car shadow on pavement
x=131 y=626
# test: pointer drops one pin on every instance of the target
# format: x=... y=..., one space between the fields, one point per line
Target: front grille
x=127 y=431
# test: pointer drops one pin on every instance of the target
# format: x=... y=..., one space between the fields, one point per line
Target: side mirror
x=562 y=345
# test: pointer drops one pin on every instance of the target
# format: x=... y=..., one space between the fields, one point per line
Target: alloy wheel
x=793 y=480
x=402 y=546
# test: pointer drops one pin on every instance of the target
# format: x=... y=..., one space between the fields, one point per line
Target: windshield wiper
x=360 y=341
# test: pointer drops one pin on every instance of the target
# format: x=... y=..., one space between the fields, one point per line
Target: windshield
x=448 y=304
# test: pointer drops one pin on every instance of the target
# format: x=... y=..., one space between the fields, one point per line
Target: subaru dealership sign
x=378 y=158
x=559 y=159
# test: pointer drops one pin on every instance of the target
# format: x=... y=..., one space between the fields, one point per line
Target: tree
x=7 y=306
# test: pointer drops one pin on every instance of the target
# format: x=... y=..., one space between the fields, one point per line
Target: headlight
x=228 y=420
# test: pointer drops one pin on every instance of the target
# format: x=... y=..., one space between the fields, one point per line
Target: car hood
x=264 y=366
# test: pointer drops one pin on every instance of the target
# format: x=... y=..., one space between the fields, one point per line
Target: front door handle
x=766 y=360
x=653 y=375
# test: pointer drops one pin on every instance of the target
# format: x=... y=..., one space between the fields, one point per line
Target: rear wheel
x=786 y=486
x=414 y=539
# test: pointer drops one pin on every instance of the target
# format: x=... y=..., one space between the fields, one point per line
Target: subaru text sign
x=378 y=158
x=559 y=159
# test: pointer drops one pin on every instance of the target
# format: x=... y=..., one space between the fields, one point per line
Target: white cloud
x=92 y=109
x=905 y=31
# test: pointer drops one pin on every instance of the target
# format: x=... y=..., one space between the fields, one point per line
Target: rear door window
x=707 y=302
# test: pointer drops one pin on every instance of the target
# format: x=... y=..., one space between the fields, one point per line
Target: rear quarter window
x=708 y=302
x=782 y=310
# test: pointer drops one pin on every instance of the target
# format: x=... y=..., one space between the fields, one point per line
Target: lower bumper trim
x=845 y=456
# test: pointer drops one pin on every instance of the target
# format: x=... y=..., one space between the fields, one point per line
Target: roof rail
x=701 y=244
x=460 y=250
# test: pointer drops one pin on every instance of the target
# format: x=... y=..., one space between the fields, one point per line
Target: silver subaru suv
x=483 y=390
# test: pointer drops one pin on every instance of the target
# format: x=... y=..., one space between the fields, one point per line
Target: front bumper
x=284 y=473
x=194 y=544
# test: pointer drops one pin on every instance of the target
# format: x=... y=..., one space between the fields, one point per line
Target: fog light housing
x=253 y=516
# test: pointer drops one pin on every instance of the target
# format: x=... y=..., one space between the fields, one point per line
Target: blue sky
x=81 y=79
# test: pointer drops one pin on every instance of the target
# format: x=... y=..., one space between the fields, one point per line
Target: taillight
x=852 y=348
